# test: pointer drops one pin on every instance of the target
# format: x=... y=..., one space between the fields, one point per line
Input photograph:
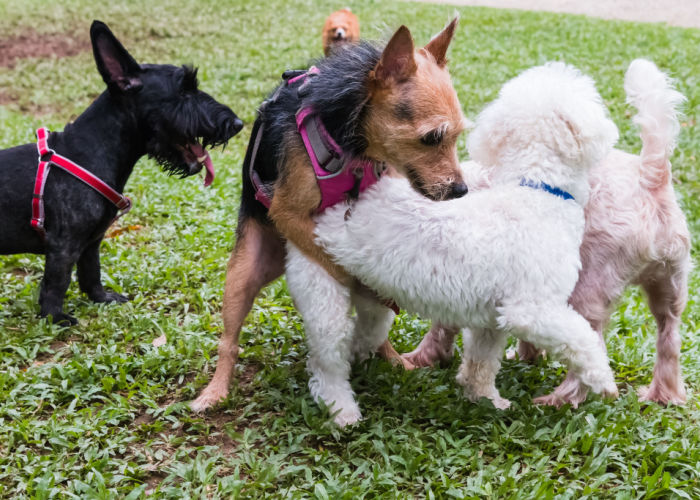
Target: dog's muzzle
x=457 y=190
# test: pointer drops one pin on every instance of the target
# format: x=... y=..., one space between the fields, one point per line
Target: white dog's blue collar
x=546 y=187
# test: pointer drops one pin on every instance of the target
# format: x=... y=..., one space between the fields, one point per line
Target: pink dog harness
x=48 y=157
x=336 y=174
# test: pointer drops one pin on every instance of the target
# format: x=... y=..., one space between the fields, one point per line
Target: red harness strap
x=48 y=157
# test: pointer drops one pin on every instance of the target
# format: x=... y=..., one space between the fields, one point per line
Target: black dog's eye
x=433 y=138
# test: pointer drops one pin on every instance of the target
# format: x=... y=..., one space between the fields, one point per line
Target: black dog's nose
x=458 y=189
x=237 y=124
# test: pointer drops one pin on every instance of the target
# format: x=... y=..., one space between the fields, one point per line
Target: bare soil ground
x=32 y=44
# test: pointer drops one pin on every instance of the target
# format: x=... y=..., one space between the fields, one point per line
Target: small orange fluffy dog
x=341 y=27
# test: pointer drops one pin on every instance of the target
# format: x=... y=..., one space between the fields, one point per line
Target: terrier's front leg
x=90 y=277
x=59 y=264
x=437 y=347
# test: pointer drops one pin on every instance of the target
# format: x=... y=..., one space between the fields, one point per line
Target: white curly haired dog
x=635 y=233
x=502 y=261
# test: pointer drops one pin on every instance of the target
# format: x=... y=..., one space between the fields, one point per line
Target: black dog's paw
x=62 y=319
x=109 y=296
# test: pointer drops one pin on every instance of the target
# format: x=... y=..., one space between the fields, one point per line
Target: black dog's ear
x=119 y=70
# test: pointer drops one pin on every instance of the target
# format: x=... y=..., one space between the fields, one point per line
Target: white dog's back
x=475 y=252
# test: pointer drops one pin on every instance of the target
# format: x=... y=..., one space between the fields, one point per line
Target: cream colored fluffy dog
x=635 y=233
x=502 y=261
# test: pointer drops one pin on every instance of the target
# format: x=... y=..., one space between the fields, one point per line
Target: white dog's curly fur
x=635 y=233
x=501 y=261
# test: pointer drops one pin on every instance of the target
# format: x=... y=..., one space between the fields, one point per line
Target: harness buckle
x=47 y=155
x=124 y=206
x=333 y=164
x=38 y=223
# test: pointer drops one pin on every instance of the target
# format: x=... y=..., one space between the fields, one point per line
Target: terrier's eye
x=433 y=138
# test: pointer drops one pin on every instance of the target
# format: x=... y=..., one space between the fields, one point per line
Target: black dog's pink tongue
x=203 y=157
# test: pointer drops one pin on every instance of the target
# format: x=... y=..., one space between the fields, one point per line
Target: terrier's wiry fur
x=148 y=109
x=395 y=105
x=500 y=261
x=340 y=28
x=635 y=233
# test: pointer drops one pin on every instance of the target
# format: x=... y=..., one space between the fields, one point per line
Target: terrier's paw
x=405 y=363
x=417 y=359
x=107 y=296
x=662 y=396
x=207 y=399
x=61 y=319
x=387 y=352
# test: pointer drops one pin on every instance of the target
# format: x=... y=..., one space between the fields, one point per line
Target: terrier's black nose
x=458 y=189
x=237 y=124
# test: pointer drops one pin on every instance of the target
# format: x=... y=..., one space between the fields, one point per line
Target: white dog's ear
x=567 y=137
x=487 y=141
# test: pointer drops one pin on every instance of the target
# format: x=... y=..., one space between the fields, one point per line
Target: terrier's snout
x=339 y=34
x=457 y=190
x=237 y=125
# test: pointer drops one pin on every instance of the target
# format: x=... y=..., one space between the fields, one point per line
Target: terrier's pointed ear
x=119 y=70
x=397 y=62
x=438 y=45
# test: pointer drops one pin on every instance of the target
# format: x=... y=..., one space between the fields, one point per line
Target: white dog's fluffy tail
x=651 y=92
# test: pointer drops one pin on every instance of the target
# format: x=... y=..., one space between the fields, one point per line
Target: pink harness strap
x=335 y=175
x=48 y=157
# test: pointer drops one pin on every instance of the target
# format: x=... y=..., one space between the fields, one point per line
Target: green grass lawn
x=96 y=411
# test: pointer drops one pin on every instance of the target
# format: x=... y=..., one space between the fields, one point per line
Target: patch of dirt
x=54 y=348
x=20 y=273
x=6 y=98
x=43 y=45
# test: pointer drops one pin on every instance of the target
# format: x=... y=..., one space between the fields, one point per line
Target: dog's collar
x=546 y=187
x=48 y=157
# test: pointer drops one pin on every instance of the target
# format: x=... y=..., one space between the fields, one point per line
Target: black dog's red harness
x=48 y=157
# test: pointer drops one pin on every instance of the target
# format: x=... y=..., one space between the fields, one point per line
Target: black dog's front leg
x=59 y=264
x=89 y=276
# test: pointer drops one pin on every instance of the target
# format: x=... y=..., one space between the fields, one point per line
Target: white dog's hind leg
x=667 y=292
x=480 y=364
x=372 y=326
x=565 y=334
x=325 y=306
x=571 y=391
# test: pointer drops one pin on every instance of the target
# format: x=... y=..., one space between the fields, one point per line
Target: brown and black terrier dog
x=394 y=106
x=341 y=27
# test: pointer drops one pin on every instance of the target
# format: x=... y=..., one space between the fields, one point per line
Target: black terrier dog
x=149 y=109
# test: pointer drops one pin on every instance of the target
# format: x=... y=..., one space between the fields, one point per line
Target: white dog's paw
x=601 y=382
x=500 y=403
x=610 y=391
x=662 y=395
x=347 y=415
